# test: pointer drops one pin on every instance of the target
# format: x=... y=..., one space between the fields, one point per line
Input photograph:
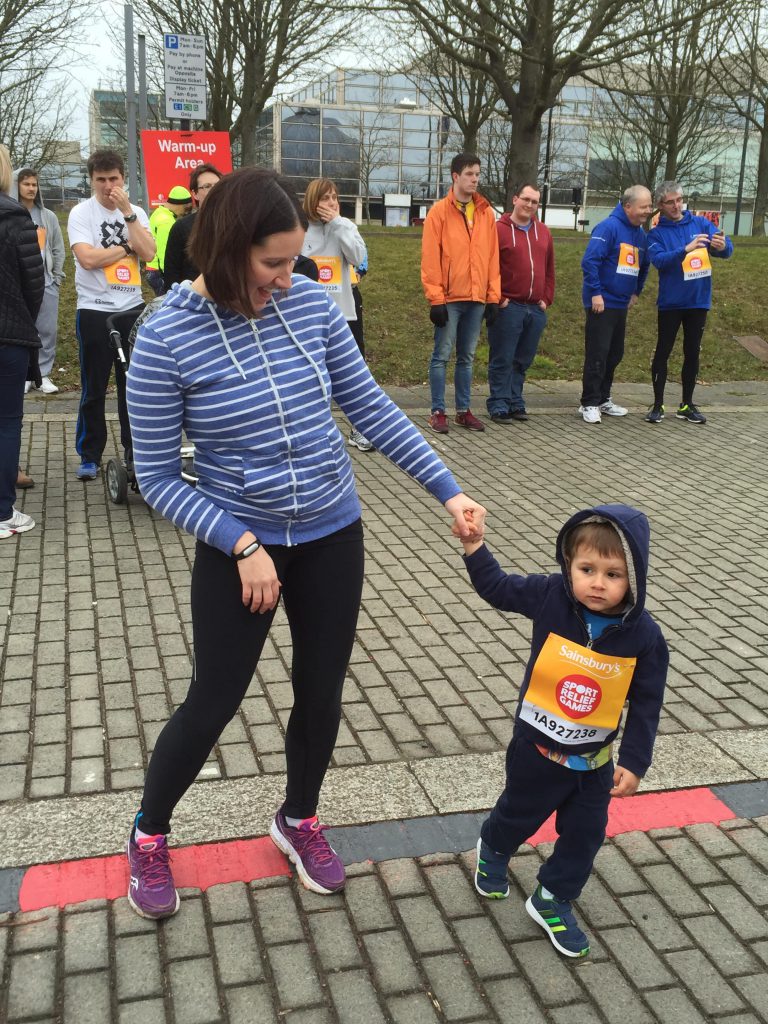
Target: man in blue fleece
x=594 y=646
x=680 y=247
x=615 y=266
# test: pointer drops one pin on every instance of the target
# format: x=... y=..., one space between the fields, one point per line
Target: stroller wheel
x=117 y=481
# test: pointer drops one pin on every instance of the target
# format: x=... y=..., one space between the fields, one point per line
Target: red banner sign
x=170 y=158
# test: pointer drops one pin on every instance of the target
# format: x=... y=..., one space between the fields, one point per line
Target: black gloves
x=33 y=368
x=438 y=315
x=491 y=312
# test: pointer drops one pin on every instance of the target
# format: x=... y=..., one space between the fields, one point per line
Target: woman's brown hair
x=316 y=189
x=243 y=210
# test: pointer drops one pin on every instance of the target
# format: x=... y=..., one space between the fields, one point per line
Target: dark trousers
x=356 y=326
x=513 y=340
x=14 y=361
x=603 y=351
x=96 y=361
x=669 y=321
x=322 y=587
x=537 y=787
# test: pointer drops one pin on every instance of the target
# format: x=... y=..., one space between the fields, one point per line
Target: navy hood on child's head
x=635 y=531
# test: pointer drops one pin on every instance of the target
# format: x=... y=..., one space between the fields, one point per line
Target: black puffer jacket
x=22 y=281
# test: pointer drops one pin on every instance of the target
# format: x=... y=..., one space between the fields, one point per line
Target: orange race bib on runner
x=576 y=695
x=696 y=264
x=124 y=272
x=329 y=272
x=629 y=260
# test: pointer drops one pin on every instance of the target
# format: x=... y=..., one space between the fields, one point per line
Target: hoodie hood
x=619 y=214
x=634 y=531
x=15 y=186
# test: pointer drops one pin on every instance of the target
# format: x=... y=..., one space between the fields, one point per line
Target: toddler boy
x=593 y=647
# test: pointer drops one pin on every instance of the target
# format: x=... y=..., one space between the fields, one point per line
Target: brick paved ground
x=95 y=652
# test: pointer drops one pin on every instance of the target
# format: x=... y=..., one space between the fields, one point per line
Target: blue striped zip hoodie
x=549 y=602
x=666 y=248
x=254 y=396
x=609 y=265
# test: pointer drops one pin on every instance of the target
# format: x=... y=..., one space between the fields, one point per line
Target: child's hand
x=477 y=531
x=625 y=783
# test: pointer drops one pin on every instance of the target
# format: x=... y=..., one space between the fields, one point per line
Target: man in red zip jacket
x=527 y=262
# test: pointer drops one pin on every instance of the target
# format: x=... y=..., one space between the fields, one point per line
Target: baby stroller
x=120 y=476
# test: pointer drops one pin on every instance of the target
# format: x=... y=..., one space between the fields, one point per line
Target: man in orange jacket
x=460 y=276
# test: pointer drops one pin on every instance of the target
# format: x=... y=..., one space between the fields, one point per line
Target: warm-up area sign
x=170 y=158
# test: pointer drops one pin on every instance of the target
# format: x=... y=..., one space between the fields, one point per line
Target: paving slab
x=95 y=650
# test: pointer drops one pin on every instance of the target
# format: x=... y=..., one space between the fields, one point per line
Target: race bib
x=124 y=272
x=629 y=260
x=329 y=272
x=576 y=695
x=696 y=264
x=41 y=236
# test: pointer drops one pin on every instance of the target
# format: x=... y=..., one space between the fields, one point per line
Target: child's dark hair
x=600 y=537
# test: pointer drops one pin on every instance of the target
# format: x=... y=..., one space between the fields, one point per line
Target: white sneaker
x=48 y=387
x=590 y=413
x=27 y=386
x=360 y=441
x=19 y=522
x=609 y=408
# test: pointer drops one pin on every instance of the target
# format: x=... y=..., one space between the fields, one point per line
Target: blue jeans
x=14 y=361
x=463 y=331
x=513 y=340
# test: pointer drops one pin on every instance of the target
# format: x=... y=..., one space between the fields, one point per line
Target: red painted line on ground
x=654 y=810
x=243 y=860
x=194 y=867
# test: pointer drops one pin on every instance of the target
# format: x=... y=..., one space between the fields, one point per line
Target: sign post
x=185 y=95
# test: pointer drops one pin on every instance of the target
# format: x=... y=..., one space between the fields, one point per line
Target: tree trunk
x=525 y=146
x=761 y=190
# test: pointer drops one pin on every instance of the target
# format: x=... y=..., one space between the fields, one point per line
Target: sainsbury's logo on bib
x=578 y=696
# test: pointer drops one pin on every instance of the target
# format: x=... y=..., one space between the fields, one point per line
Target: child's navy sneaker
x=558 y=921
x=491 y=873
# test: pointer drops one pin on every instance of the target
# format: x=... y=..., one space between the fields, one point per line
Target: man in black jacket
x=22 y=283
x=177 y=266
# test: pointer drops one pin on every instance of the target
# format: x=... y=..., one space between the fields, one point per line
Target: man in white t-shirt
x=108 y=236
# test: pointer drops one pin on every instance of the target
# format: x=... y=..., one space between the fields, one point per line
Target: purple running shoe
x=319 y=866
x=151 y=891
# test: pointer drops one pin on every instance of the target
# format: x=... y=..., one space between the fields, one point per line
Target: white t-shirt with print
x=94 y=224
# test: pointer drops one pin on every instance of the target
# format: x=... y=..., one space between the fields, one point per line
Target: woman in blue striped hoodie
x=246 y=360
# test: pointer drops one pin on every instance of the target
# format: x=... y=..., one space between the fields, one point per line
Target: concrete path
x=95 y=652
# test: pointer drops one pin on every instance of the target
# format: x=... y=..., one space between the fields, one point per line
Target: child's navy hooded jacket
x=605 y=263
x=666 y=248
x=549 y=602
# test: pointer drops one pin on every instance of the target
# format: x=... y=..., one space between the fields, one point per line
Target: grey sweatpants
x=47 y=325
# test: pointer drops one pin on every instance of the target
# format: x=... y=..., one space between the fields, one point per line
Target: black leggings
x=693 y=321
x=322 y=587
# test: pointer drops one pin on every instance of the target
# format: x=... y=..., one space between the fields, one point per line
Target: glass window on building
x=339 y=116
x=378 y=119
x=300 y=124
x=362 y=88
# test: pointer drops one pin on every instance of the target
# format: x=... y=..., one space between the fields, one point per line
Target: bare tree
x=662 y=118
x=253 y=45
x=533 y=48
x=35 y=43
x=35 y=116
x=376 y=152
x=743 y=71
